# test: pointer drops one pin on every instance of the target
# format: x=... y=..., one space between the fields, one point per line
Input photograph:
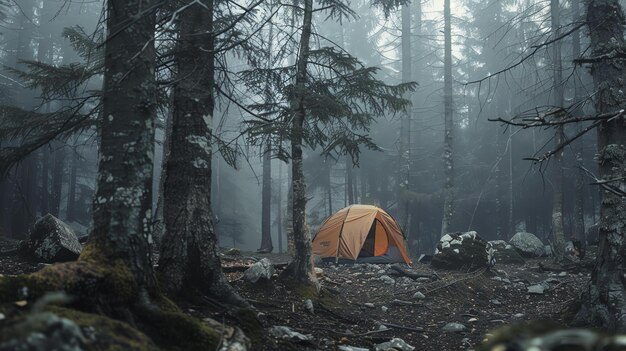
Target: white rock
x=454 y=327
x=384 y=308
x=369 y=304
x=536 y=289
x=419 y=296
x=394 y=344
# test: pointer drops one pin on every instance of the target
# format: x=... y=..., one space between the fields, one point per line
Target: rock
x=384 y=309
x=499 y=244
x=51 y=241
x=519 y=315
x=394 y=344
x=264 y=269
x=387 y=279
x=308 y=305
x=369 y=304
x=463 y=251
x=318 y=272
x=47 y=331
x=350 y=348
x=454 y=327
x=527 y=244
x=285 y=333
x=508 y=255
x=536 y=289
x=233 y=251
x=419 y=296
x=496 y=302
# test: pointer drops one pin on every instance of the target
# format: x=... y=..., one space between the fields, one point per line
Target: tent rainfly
x=361 y=233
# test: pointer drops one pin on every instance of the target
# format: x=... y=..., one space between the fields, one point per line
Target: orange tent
x=361 y=233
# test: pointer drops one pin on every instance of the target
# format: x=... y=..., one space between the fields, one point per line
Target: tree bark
x=301 y=267
x=122 y=219
x=266 y=213
x=404 y=151
x=279 y=208
x=71 y=191
x=188 y=259
x=448 y=161
x=57 y=178
x=603 y=302
x=579 y=197
x=558 y=235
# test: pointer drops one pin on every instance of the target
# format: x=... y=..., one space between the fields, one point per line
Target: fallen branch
x=412 y=275
x=396 y=326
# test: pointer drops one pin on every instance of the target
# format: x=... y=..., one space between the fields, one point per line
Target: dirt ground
x=363 y=305
x=482 y=301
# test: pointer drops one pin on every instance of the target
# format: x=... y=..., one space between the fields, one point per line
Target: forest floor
x=369 y=304
x=363 y=305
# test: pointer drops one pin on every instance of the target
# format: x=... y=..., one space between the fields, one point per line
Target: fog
x=503 y=66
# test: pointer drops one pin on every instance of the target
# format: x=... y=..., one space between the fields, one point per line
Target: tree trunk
x=300 y=269
x=188 y=259
x=558 y=235
x=71 y=191
x=579 y=197
x=57 y=178
x=122 y=217
x=279 y=207
x=404 y=150
x=329 y=188
x=266 y=213
x=603 y=302
x=448 y=162
x=349 y=181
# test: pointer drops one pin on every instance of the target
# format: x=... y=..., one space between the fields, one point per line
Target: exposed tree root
x=105 y=298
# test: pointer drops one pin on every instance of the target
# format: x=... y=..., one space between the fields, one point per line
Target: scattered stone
x=536 y=289
x=318 y=272
x=350 y=348
x=528 y=244
x=472 y=320
x=563 y=274
x=369 y=304
x=285 y=333
x=462 y=251
x=394 y=344
x=264 y=269
x=499 y=244
x=308 y=305
x=382 y=271
x=496 y=302
x=423 y=279
x=419 y=296
x=50 y=241
x=383 y=308
x=454 y=327
x=387 y=279
x=496 y=278
x=508 y=255
x=519 y=315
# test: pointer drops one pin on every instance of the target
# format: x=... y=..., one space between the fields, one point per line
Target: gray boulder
x=462 y=251
x=527 y=244
x=264 y=269
x=286 y=333
x=51 y=241
x=394 y=344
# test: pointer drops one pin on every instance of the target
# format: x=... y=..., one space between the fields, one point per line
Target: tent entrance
x=376 y=242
